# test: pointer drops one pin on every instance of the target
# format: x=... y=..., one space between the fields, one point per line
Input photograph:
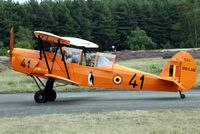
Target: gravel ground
x=127 y=54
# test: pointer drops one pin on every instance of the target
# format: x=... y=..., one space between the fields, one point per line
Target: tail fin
x=181 y=68
x=11 y=46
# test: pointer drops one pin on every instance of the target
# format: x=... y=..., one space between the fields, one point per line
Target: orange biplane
x=64 y=59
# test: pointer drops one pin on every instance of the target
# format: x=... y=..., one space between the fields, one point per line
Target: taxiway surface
x=96 y=101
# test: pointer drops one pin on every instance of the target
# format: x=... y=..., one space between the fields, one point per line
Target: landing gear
x=43 y=96
x=46 y=94
x=40 y=96
x=51 y=95
x=182 y=95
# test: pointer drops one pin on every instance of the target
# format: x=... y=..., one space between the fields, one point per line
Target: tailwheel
x=51 y=95
x=40 y=96
x=182 y=95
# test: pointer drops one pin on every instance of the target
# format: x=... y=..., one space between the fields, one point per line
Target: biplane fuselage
x=114 y=76
x=179 y=74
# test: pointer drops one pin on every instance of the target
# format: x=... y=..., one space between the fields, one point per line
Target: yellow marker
x=174 y=71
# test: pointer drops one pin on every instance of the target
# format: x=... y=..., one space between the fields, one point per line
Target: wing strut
x=54 y=57
x=63 y=59
x=42 y=51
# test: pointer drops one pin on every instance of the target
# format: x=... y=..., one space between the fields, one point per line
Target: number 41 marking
x=134 y=84
x=23 y=63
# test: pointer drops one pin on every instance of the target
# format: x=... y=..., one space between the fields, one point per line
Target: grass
x=13 y=82
x=151 y=65
x=163 y=121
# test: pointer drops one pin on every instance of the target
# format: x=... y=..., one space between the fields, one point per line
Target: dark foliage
x=163 y=23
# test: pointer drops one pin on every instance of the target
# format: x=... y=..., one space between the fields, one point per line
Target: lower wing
x=61 y=79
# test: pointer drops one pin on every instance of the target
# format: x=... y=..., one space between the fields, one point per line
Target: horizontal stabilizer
x=174 y=81
x=61 y=79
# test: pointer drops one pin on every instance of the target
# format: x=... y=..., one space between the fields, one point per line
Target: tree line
x=126 y=24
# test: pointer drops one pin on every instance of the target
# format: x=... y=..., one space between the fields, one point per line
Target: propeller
x=11 y=46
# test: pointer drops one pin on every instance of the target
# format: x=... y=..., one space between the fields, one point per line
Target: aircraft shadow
x=79 y=100
x=63 y=101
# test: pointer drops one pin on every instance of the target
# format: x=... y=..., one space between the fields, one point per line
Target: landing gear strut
x=181 y=95
x=46 y=94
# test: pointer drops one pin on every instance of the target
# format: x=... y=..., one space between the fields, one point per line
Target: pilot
x=68 y=55
x=88 y=61
x=74 y=58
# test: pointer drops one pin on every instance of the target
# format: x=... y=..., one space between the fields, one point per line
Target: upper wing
x=61 y=79
x=52 y=38
x=81 y=42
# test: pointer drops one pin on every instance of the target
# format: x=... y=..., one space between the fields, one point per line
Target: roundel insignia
x=117 y=79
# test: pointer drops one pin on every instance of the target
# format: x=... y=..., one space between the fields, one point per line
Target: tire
x=182 y=96
x=51 y=95
x=40 y=97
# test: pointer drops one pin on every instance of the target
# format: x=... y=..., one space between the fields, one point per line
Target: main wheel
x=51 y=95
x=40 y=96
